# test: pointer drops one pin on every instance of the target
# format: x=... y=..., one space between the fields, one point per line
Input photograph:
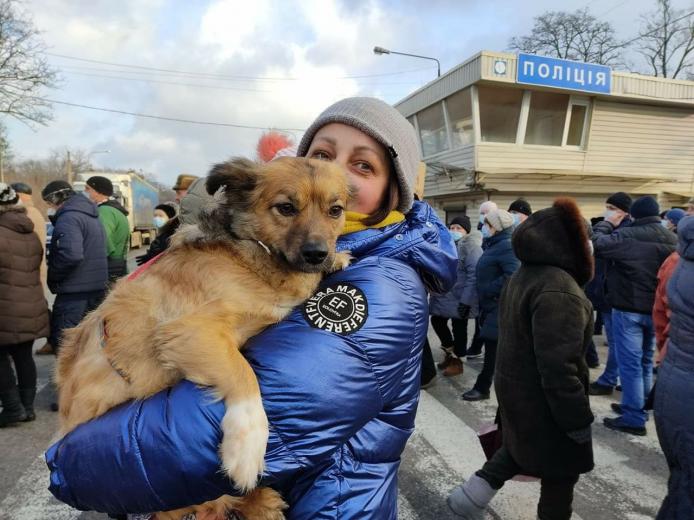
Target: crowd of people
x=535 y=283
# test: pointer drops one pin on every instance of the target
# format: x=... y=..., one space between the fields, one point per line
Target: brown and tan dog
x=260 y=252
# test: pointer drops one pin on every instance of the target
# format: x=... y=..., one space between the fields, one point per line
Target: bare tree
x=667 y=41
x=572 y=36
x=24 y=70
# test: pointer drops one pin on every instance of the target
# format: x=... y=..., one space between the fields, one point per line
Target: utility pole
x=68 y=169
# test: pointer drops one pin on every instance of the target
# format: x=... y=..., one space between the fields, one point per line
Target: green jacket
x=117 y=231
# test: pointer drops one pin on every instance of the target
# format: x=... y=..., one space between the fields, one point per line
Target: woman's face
x=364 y=159
x=160 y=213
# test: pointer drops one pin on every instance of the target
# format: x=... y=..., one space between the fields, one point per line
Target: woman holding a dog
x=339 y=376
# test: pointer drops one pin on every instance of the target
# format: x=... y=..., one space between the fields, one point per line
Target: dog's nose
x=314 y=252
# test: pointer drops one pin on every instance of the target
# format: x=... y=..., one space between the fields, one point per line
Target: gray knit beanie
x=194 y=201
x=386 y=125
x=499 y=219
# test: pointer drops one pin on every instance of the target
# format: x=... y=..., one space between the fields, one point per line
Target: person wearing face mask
x=617 y=207
x=77 y=264
x=460 y=303
x=495 y=267
x=162 y=214
x=341 y=404
x=634 y=254
x=486 y=207
x=521 y=210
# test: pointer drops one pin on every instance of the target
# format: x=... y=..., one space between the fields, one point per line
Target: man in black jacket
x=634 y=255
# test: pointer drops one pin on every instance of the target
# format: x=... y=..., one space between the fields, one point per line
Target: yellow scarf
x=353 y=221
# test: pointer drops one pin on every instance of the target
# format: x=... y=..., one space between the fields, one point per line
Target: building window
x=577 y=125
x=460 y=117
x=499 y=113
x=432 y=130
x=546 y=118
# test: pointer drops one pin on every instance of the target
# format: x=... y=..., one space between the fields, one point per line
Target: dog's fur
x=191 y=311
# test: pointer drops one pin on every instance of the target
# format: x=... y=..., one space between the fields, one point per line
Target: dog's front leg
x=342 y=261
x=205 y=350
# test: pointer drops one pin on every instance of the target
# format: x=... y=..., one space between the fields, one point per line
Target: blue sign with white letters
x=572 y=75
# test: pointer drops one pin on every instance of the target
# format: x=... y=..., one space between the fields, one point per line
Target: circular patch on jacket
x=340 y=308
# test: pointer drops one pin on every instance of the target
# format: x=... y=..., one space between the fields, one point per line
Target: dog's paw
x=342 y=260
x=245 y=430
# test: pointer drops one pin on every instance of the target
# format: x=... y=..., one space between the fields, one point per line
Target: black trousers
x=24 y=365
x=68 y=311
x=485 y=378
x=428 y=365
x=477 y=342
x=457 y=340
x=556 y=494
x=592 y=354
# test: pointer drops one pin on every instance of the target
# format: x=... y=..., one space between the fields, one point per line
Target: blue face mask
x=457 y=235
x=159 y=221
x=486 y=232
x=516 y=219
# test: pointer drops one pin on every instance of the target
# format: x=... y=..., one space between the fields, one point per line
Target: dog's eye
x=286 y=209
x=335 y=211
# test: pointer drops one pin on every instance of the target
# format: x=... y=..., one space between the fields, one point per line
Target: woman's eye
x=335 y=211
x=286 y=209
x=321 y=155
x=363 y=166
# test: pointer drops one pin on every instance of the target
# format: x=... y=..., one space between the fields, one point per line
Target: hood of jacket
x=469 y=242
x=78 y=203
x=685 y=232
x=115 y=204
x=556 y=236
x=15 y=218
x=421 y=241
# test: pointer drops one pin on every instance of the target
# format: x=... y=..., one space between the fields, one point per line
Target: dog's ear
x=236 y=175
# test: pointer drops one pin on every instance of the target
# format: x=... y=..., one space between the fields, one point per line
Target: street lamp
x=381 y=50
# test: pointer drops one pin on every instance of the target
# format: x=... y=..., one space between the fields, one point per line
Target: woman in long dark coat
x=545 y=327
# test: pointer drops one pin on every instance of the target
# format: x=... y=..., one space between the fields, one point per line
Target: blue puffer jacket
x=675 y=389
x=77 y=260
x=341 y=406
x=495 y=267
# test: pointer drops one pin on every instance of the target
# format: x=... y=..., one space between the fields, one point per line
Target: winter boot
x=12 y=409
x=470 y=499
x=27 y=396
x=454 y=368
x=447 y=360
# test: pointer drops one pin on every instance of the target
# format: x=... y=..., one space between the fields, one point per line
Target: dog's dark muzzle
x=314 y=253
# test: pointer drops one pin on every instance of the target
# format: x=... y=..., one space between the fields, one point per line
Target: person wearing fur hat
x=183 y=183
x=460 y=303
x=114 y=217
x=634 y=254
x=23 y=308
x=341 y=404
x=494 y=268
x=542 y=377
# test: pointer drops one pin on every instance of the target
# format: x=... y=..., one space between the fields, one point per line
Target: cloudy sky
x=259 y=63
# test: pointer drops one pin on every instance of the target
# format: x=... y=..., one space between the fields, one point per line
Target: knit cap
x=168 y=208
x=463 y=221
x=7 y=194
x=101 y=185
x=620 y=200
x=499 y=219
x=675 y=215
x=386 y=125
x=521 y=206
x=53 y=188
x=645 y=207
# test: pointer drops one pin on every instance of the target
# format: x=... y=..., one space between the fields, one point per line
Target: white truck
x=136 y=195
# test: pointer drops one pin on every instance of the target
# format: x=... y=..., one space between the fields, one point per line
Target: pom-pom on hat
x=274 y=144
x=7 y=194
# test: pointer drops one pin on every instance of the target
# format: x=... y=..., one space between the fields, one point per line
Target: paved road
x=629 y=481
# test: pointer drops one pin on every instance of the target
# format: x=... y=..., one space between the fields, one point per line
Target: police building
x=501 y=126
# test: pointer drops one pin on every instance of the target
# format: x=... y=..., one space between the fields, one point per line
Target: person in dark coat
x=545 y=324
x=77 y=266
x=495 y=267
x=447 y=306
x=23 y=308
x=634 y=254
x=674 y=393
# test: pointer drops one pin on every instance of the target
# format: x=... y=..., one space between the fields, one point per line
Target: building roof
x=635 y=88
